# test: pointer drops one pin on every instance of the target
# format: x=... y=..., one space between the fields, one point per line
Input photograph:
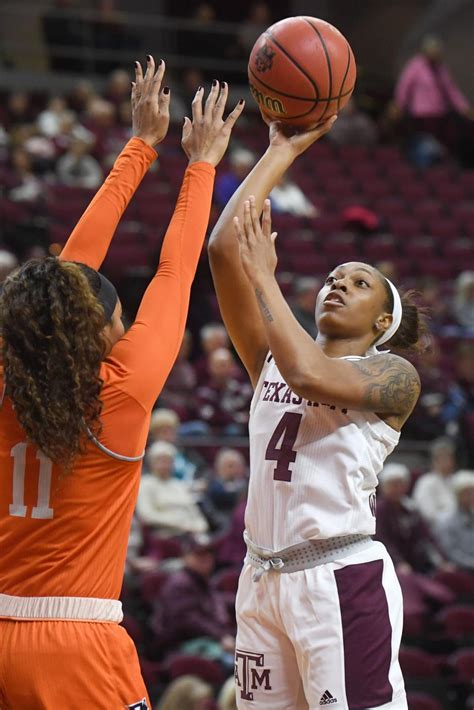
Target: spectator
x=433 y=492
x=227 y=699
x=411 y=546
x=50 y=120
x=165 y=503
x=212 y=336
x=8 y=263
x=455 y=534
x=178 y=393
x=188 y=465
x=70 y=131
x=400 y=526
x=241 y=160
x=189 y=608
x=432 y=298
x=18 y=111
x=187 y=693
x=223 y=403
x=304 y=303
x=118 y=87
x=458 y=408
x=226 y=487
x=353 y=127
x=427 y=94
x=231 y=548
x=83 y=92
x=25 y=185
x=100 y=120
x=463 y=303
x=77 y=168
x=288 y=198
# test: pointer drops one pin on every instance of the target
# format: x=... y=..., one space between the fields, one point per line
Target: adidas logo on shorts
x=327 y=698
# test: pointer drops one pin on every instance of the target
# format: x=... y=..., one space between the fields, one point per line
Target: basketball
x=301 y=71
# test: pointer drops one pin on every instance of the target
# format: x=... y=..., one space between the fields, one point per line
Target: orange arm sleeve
x=91 y=237
x=143 y=358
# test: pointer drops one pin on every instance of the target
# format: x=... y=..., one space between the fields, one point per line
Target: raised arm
x=385 y=384
x=90 y=239
x=146 y=353
x=234 y=293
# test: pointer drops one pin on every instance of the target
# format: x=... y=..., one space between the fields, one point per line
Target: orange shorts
x=52 y=665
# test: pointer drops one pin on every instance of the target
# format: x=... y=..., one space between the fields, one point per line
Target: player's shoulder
x=391 y=364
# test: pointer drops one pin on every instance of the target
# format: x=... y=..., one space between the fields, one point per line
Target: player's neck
x=338 y=347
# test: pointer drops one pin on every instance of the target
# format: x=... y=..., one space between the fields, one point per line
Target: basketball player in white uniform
x=319 y=607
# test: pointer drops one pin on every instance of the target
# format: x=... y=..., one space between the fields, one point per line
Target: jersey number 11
x=18 y=508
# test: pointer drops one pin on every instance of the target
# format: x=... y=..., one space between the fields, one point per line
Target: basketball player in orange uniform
x=76 y=404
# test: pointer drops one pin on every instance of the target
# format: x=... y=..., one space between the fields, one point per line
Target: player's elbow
x=304 y=384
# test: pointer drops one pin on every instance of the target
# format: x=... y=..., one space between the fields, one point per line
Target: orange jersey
x=66 y=535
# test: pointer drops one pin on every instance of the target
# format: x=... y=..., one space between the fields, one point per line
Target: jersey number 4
x=280 y=447
x=18 y=508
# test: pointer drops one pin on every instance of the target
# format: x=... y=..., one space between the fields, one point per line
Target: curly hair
x=51 y=324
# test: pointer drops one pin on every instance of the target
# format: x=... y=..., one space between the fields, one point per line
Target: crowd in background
x=186 y=545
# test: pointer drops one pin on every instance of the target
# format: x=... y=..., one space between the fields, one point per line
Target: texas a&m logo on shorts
x=250 y=673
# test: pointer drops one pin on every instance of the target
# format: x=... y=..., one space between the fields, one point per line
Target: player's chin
x=327 y=319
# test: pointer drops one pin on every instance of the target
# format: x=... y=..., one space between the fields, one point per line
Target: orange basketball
x=301 y=71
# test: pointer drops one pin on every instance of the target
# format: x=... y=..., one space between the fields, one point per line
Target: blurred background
x=392 y=184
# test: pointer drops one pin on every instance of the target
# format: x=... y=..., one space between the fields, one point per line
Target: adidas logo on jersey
x=327 y=698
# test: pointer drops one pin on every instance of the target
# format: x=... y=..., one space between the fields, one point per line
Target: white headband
x=396 y=320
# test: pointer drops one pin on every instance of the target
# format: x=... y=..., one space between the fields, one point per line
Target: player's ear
x=383 y=322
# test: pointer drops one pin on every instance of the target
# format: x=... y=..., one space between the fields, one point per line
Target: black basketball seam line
x=288 y=55
x=345 y=75
x=323 y=44
x=298 y=98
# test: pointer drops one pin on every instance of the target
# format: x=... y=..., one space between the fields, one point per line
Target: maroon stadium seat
x=416 y=663
x=462 y=662
x=458 y=621
x=422 y=701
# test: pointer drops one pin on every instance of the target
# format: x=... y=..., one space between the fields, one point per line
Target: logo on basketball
x=140 y=705
x=264 y=59
x=250 y=673
x=270 y=102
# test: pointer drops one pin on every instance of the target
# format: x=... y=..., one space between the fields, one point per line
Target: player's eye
x=363 y=282
x=330 y=279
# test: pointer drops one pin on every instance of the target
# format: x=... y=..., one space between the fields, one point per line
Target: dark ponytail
x=413 y=334
x=53 y=345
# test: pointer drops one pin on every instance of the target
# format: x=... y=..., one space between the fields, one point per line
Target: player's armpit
x=387 y=384
x=91 y=237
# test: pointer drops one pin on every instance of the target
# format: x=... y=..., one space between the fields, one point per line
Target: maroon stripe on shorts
x=367 y=634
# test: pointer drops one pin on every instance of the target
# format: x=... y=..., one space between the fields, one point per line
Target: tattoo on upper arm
x=265 y=309
x=393 y=384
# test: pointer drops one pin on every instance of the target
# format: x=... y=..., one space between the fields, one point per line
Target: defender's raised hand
x=150 y=106
x=206 y=138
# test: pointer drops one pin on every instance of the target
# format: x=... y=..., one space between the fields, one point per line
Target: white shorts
x=323 y=637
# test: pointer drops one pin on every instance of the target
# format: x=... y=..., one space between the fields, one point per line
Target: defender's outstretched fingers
x=157 y=79
x=149 y=74
x=211 y=100
x=238 y=229
x=138 y=81
x=197 y=105
x=221 y=101
x=164 y=101
x=229 y=123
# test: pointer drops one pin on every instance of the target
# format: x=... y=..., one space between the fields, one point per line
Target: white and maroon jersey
x=313 y=466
